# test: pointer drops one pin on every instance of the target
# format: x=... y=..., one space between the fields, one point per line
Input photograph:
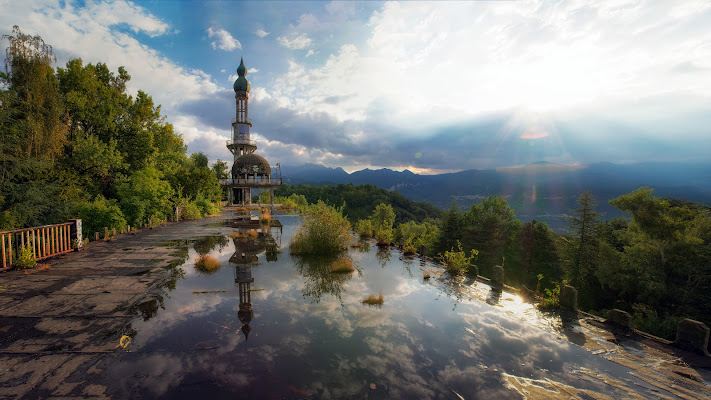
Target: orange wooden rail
x=45 y=241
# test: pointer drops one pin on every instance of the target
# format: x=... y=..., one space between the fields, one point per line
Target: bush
x=207 y=264
x=364 y=228
x=325 y=231
x=25 y=259
x=418 y=234
x=408 y=248
x=191 y=210
x=98 y=214
x=206 y=206
x=458 y=262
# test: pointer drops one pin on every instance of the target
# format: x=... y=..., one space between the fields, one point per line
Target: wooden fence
x=44 y=241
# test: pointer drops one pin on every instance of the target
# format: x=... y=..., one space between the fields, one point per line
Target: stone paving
x=59 y=326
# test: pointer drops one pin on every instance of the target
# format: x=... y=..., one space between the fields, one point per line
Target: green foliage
x=145 y=196
x=450 y=229
x=551 y=300
x=325 y=231
x=190 y=210
x=361 y=200
x=490 y=226
x=364 y=228
x=206 y=206
x=100 y=213
x=457 y=262
x=25 y=258
x=382 y=220
x=416 y=234
x=583 y=249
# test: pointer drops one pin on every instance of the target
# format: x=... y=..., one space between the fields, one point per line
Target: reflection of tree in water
x=383 y=255
x=364 y=246
x=318 y=278
x=205 y=244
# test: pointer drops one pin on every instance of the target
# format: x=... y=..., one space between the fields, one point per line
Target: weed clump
x=325 y=231
x=26 y=259
x=457 y=262
x=426 y=275
x=343 y=264
x=207 y=264
x=374 y=300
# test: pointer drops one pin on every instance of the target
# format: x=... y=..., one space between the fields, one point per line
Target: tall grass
x=325 y=231
x=207 y=264
x=374 y=300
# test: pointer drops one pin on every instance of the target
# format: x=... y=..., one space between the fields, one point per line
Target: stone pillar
x=693 y=335
x=568 y=298
x=423 y=251
x=620 y=318
x=473 y=270
x=106 y=233
x=75 y=232
x=497 y=277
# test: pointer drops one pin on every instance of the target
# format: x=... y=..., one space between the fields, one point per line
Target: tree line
x=74 y=143
x=655 y=263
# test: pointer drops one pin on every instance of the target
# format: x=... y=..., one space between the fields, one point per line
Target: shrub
x=374 y=300
x=551 y=299
x=325 y=231
x=408 y=248
x=342 y=264
x=207 y=264
x=206 y=206
x=364 y=228
x=25 y=258
x=190 y=210
x=100 y=213
x=458 y=262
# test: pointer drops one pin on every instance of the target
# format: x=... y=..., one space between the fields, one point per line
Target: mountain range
x=544 y=191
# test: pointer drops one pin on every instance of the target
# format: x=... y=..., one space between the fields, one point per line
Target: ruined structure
x=249 y=170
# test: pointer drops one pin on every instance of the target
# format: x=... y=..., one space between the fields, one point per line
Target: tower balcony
x=247 y=121
x=241 y=142
x=252 y=182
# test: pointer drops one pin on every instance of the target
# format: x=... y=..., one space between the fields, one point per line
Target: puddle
x=266 y=324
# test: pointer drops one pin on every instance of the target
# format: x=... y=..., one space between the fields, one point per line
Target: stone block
x=693 y=335
x=620 y=317
x=497 y=277
x=568 y=298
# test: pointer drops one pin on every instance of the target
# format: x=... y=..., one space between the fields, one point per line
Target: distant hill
x=544 y=191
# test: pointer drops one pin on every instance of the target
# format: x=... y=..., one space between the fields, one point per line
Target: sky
x=427 y=86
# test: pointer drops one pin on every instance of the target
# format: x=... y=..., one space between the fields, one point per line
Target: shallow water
x=271 y=325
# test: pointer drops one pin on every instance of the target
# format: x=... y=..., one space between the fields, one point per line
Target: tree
x=583 y=248
x=382 y=220
x=491 y=228
x=450 y=229
x=538 y=255
x=38 y=110
x=220 y=169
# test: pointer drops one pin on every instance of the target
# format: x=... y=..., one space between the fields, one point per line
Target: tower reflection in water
x=253 y=235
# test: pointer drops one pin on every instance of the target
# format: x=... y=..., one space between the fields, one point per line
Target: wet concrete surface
x=61 y=329
x=60 y=326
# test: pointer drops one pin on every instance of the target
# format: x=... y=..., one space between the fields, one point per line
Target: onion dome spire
x=241 y=83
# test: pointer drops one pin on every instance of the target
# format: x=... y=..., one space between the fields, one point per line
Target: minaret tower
x=249 y=170
x=241 y=143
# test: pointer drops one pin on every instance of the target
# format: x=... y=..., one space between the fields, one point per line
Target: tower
x=249 y=170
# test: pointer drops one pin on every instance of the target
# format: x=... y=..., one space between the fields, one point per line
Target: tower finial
x=241 y=70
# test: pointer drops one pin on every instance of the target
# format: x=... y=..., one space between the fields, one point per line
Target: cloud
x=295 y=41
x=261 y=33
x=224 y=41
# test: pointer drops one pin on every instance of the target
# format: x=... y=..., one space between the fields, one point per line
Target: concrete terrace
x=57 y=326
x=60 y=328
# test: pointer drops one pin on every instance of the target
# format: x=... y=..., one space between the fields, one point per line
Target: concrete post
x=75 y=232
x=693 y=335
x=568 y=298
x=106 y=233
x=96 y=236
x=423 y=251
x=497 y=277
x=620 y=317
